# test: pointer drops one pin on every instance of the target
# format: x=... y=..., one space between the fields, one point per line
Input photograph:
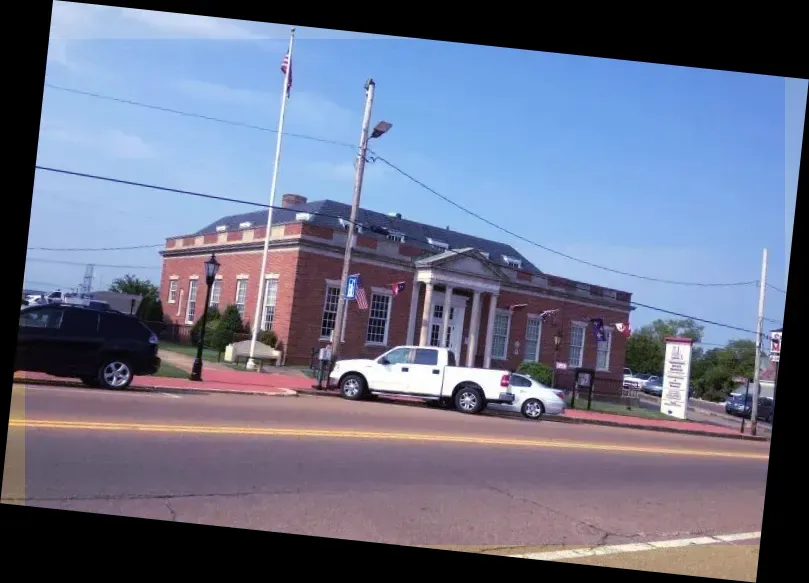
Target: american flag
x=362 y=300
x=284 y=65
x=397 y=287
x=598 y=329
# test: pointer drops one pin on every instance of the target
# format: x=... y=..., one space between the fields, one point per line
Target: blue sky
x=666 y=172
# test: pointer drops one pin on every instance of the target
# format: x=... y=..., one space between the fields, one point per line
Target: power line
x=373 y=228
x=198 y=116
x=376 y=156
x=778 y=289
x=95 y=248
x=61 y=262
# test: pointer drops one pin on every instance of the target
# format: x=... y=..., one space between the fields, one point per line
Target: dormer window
x=438 y=244
x=221 y=228
x=303 y=216
x=395 y=236
x=512 y=262
x=245 y=225
x=485 y=254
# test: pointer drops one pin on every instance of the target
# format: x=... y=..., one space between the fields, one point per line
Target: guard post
x=583 y=380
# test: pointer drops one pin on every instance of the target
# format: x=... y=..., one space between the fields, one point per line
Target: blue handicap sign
x=351 y=286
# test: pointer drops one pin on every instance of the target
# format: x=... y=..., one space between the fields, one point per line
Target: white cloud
x=114 y=143
x=88 y=21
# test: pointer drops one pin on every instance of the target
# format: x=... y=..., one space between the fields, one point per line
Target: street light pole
x=339 y=320
x=211 y=267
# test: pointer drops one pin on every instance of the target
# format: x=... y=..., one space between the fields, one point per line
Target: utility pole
x=339 y=321
x=759 y=332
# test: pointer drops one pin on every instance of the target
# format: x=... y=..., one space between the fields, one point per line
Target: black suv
x=101 y=347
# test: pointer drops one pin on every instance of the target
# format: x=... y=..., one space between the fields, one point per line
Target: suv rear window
x=122 y=326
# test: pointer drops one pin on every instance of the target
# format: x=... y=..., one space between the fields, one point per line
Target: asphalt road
x=374 y=471
x=713 y=413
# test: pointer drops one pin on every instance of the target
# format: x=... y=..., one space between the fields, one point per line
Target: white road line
x=638 y=547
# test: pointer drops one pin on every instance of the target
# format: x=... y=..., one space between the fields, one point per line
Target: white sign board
x=775 y=346
x=676 y=379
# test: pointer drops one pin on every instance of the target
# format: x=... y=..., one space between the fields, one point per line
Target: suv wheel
x=115 y=373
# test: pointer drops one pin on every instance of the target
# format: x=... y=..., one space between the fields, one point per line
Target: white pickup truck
x=424 y=372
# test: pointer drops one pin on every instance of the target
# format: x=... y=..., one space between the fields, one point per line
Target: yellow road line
x=387 y=436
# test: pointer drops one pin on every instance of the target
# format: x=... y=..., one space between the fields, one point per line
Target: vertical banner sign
x=676 y=377
x=351 y=286
x=775 y=346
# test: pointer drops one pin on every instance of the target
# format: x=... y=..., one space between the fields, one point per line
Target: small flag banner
x=544 y=315
x=598 y=329
x=362 y=299
x=624 y=329
x=286 y=64
x=397 y=287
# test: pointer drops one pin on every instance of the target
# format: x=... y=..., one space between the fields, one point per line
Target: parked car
x=101 y=347
x=532 y=399
x=426 y=373
x=654 y=386
x=739 y=406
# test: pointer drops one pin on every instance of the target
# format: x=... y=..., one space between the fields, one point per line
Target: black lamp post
x=211 y=267
x=557 y=341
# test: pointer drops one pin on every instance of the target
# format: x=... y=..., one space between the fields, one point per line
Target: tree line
x=712 y=370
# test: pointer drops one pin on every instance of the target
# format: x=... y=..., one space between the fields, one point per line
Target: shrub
x=228 y=326
x=541 y=373
x=268 y=337
x=213 y=317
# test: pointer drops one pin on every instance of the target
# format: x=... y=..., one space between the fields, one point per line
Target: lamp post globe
x=211 y=269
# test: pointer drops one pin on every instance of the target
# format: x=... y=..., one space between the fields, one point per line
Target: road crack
x=164 y=497
x=171 y=510
x=605 y=533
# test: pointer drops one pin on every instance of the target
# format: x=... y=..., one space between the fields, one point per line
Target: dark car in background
x=101 y=347
x=741 y=406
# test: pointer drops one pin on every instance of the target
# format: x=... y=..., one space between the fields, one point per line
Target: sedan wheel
x=533 y=409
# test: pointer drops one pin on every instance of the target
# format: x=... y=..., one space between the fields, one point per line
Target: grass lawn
x=169 y=370
x=208 y=354
x=620 y=409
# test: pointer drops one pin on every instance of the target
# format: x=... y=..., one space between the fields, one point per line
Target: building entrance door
x=453 y=335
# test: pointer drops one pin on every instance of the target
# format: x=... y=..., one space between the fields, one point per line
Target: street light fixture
x=381 y=129
x=211 y=268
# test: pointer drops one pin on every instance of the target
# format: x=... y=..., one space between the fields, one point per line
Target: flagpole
x=251 y=363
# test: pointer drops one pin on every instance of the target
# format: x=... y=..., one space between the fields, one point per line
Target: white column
x=426 y=315
x=447 y=307
x=414 y=302
x=487 y=356
x=474 y=325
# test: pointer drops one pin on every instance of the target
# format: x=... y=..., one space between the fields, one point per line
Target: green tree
x=226 y=329
x=212 y=321
x=150 y=294
x=645 y=353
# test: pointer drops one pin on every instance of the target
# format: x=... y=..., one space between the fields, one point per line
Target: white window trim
x=213 y=286
x=336 y=285
x=504 y=356
x=195 y=283
x=174 y=285
x=608 y=331
x=246 y=281
x=267 y=281
x=180 y=303
x=377 y=291
x=536 y=318
x=583 y=326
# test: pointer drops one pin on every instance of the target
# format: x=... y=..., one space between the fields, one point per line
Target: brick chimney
x=290 y=200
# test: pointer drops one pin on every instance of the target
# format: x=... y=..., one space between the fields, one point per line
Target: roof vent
x=245 y=225
x=221 y=228
x=395 y=215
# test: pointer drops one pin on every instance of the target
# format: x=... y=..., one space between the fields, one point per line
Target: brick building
x=495 y=294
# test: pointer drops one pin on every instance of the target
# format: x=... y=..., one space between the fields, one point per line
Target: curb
x=161 y=389
x=571 y=420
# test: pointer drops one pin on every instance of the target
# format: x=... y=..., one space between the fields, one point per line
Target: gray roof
x=327 y=213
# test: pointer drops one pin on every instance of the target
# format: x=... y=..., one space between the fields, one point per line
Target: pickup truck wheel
x=533 y=409
x=469 y=400
x=352 y=387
